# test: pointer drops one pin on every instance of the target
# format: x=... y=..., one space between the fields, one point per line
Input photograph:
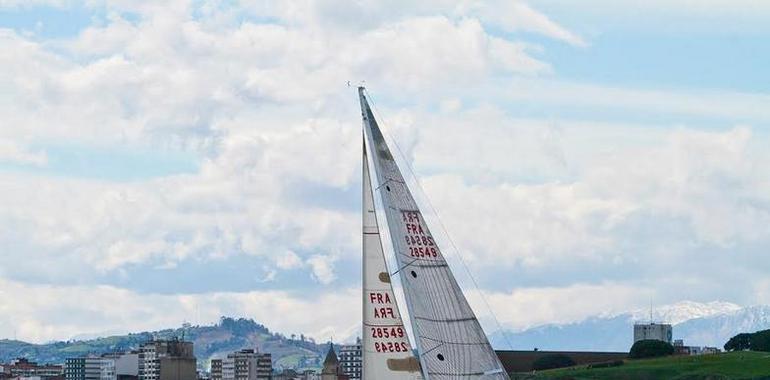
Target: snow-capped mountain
x=717 y=329
x=698 y=324
x=683 y=311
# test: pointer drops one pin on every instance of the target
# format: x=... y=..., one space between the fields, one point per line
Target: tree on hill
x=552 y=361
x=758 y=341
x=650 y=348
x=242 y=326
x=739 y=342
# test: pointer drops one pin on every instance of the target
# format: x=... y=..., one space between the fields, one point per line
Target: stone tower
x=332 y=370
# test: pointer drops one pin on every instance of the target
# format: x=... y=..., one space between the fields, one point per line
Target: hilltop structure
x=653 y=331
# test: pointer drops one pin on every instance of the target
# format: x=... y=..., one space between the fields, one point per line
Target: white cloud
x=435 y=49
x=265 y=107
x=168 y=79
x=559 y=304
x=534 y=193
x=12 y=152
x=288 y=260
x=690 y=6
x=233 y=93
x=12 y=4
x=321 y=265
x=514 y=15
x=237 y=204
x=704 y=103
x=40 y=313
x=677 y=18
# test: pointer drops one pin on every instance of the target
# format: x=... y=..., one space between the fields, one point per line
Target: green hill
x=732 y=365
x=210 y=341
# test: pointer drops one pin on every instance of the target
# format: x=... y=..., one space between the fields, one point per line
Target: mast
x=387 y=353
x=450 y=341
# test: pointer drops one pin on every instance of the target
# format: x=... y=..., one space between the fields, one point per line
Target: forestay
x=387 y=353
x=450 y=341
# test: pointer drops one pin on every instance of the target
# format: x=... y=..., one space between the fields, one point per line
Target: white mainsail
x=387 y=353
x=450 y=341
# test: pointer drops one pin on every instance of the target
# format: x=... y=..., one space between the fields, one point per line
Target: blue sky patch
x=115 y=163
x=48 y=22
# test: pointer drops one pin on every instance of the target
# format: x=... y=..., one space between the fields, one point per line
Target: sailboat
x=448 y=338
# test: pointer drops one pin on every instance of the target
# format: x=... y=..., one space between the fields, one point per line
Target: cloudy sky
x=175 y=161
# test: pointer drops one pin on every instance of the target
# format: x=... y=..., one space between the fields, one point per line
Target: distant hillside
x=709 y=324
x=210 y=342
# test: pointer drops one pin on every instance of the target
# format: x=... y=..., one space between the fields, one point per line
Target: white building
x=653 y=331
x=290 y=374
x=264 y=366
x=242 y=365
x=127 y=364
x=149 y=366
x=350 y=360
x=90 y=368
x=23 y=369
x=167 y=360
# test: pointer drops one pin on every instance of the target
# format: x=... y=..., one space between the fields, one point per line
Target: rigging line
x=441 y=223
x=432 y=349
x=389 y=180
x=403 y=267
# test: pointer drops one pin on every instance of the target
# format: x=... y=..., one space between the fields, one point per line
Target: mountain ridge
x=210 y=341
x=698 y=324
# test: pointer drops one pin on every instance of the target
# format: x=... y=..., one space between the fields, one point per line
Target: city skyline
x=198 y=159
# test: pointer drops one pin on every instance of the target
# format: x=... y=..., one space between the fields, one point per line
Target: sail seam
x=458 y=373
x=446 y=320
x=423 y=259
x=454 y=343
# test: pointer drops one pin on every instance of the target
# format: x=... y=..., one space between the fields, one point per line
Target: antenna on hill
x=651 y=320
x=185 y=326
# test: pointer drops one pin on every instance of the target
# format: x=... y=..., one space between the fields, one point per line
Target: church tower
x=332 y=370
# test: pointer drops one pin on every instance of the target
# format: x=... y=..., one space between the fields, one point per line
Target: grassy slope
x=735 y=365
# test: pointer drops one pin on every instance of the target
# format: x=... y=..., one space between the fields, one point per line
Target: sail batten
x=449 y=339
